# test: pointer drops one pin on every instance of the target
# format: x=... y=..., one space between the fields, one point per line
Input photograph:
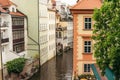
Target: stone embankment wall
x=31 y=67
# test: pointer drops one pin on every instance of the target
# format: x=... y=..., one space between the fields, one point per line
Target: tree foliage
x=107 y=36
x=16 y=65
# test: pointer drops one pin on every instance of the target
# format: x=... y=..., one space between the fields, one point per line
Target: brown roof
x=16 y=14
x=87 y=4
x=4 y=2
x=2 y=10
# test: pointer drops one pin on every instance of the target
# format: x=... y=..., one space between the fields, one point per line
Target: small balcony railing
x=5 y=40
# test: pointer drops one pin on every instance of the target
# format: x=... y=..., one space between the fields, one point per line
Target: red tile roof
x=2 y=10
x=16 y=14
x=87 y=4
x=4 y=2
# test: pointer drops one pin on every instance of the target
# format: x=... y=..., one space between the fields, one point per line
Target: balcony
x=4 y=25
x=5 y=40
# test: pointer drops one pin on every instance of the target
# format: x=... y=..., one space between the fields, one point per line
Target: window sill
x=87 y=53
x=87 y=29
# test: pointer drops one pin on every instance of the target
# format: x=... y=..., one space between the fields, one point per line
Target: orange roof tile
x=17 y=14
x=2 y=10
x=87 y=4
x=4 y=2
x=11 y=3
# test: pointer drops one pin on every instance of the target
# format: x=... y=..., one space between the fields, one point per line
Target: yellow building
x=82 y=43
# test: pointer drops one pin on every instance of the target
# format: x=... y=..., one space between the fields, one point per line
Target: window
x=13 y=10
x=60 y=35
x=86 y=67
x=18 y=34
x=18 y=48
x=87 y=46
x=88 y=23
x=17 y=21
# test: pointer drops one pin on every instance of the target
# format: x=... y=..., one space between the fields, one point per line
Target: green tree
x=107 y=36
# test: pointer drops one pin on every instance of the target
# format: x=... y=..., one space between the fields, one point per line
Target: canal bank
x=58 y=68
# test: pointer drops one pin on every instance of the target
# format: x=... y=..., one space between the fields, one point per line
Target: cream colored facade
x=7 y=36
x=38 y=28
x=43 y=30
x=61 y=33
x=51 y=30
x=83 y=29
x=51 y=34
x=30 y=9
x=83 y=36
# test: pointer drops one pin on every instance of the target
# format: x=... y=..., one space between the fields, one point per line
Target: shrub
x=16 y=65
x=87 y=76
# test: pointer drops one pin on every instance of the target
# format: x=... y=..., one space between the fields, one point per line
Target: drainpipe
x=38 y=36
x=36 y=43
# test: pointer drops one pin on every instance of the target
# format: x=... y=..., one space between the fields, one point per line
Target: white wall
x=51 y=35
x=43 y=24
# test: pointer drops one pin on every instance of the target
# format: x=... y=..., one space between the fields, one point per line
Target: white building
x=69 y=28
x=70 y=34
x=51 y=30
x=47 y=31
x=43 y=30
x=13 y=32
x=64 y=31
x=38 y=28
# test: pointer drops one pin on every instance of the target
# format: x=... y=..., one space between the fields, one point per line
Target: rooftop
x=87 y=4
x=4 y=2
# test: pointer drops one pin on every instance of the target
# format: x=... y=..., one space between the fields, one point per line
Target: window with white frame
x=87 y=46
x=43 y=27
x=87 y=23
x=86 y=67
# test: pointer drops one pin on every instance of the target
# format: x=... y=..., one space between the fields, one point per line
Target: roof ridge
x=87 y=4
x=79 y=1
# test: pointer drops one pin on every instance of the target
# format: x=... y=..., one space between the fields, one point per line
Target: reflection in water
x=58 y=68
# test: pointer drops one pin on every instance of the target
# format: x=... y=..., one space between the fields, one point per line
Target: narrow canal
x=58 y=68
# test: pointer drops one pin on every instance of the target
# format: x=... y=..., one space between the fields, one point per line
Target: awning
x=95 y=72
x=108 y=73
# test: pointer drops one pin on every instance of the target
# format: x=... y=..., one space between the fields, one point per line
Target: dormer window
x=13 y=9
